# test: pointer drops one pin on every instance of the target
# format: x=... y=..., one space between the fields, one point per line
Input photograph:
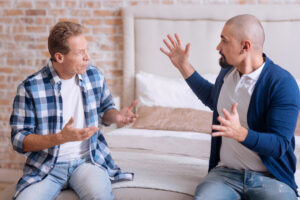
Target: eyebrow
x=79 y=50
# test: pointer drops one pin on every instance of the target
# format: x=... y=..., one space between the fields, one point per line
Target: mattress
x=166 y=160
x=161 y=160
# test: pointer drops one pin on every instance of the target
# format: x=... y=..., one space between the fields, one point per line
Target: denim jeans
x=86 y=179
x=229 y=184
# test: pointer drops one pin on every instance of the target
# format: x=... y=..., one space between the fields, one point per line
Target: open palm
x=177 y=53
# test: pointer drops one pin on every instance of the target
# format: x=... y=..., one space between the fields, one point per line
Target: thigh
x=49 y=187
x=91 y=182
x=268 y=188
x=219 y=185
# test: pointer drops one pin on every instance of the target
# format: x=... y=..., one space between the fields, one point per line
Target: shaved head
x=247 y=27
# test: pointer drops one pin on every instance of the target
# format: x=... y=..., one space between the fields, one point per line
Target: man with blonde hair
x=255 y=107
x=55 y=119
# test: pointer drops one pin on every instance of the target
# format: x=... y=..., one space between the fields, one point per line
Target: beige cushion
x=175 y=119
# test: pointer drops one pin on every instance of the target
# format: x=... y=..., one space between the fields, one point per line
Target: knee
x=198 y=192
x=99 y=195
x=96 y=192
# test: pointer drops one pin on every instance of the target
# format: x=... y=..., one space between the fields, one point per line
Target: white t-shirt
x=72 y=107
x=238 y=89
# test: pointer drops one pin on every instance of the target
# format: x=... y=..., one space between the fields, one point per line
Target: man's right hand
x=179 y=55
x=69 y=133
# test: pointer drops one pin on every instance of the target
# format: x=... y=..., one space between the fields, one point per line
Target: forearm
x=33 y=142
x=201 y=88
x=109 y=117
x=267 y=144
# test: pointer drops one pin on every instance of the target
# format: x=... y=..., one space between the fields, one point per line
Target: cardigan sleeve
x=202 y=88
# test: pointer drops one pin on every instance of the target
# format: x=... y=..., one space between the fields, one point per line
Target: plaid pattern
x=38 y=108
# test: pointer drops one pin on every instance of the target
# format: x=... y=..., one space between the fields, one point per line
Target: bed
x=168 y=147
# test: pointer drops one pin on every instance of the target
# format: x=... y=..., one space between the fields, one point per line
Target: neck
x=251 y=64
x=61 y=72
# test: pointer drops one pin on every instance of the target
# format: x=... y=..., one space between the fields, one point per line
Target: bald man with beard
x=255 y=106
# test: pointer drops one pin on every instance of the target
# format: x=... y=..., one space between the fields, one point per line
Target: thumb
x=70 y=122
x=234 y=108
x=133 y=104
x=187 y=48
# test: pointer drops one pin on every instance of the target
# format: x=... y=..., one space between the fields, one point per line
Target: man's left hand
x=230 y=125
x=126 y=115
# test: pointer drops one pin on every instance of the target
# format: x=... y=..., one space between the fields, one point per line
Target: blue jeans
x=230 y=184
x=86 y=179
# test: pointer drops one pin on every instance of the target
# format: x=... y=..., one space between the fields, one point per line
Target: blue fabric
x=87 y=180
x=37 y=109
x=272 y=117
x=225 y=183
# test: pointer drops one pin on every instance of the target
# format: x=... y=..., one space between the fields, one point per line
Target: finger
x=168 y=45
x=164 y=51
x=172 y=40
x=187 y=48
x=132 y=119
x=223 y=121
x=216 y=134
x=219 y=128
x=82 y=131
x=133 y=104
x=70 y=122
x=92 y=130
x=234 y=108
x=123 y=121
x=226 y=113
x=178 y=40
x=87 y=132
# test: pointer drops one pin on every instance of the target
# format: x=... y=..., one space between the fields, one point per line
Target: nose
x=86 y=55
x=218 y=46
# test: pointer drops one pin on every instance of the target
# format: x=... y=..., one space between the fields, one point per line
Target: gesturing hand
x=125 y=115
x=230 y=125
x=69 y=133
x=178 y=54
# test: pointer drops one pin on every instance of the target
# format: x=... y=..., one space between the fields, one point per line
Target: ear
x=246 y=45
x=59 y=57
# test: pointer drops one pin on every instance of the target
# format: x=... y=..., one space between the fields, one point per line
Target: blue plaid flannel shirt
x=37 y=109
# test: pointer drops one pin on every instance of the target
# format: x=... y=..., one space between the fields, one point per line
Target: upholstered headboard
x=146 y=26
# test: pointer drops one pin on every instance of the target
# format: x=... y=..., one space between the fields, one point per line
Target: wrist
x=59 y=138
x=187 y=70
x=243 y=135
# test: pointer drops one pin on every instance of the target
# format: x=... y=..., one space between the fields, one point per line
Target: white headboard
x=146 y=26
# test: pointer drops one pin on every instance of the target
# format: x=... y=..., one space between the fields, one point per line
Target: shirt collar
x=55 y=78
x=253 y=75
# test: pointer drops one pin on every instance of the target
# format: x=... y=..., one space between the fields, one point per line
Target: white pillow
x=154 y=90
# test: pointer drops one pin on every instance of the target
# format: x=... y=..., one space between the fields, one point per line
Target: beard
x=223 y=62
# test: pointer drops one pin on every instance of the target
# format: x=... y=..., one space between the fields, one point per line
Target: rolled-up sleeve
x=106 y=101
x=22 y=120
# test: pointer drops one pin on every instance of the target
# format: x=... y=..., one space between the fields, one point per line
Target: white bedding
x=165 y=160
x=190 y=144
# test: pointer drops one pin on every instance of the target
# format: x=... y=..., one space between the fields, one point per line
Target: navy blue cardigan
x=271 y=117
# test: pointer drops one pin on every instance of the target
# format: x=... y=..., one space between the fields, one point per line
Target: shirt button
x=51 y=166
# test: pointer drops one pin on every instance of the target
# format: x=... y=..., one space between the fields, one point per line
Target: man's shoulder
x=278 y=79
x=274 y=71
x=36 y=77
x=93 y=71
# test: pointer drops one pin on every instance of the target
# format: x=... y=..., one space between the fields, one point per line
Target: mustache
x=223 y=62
